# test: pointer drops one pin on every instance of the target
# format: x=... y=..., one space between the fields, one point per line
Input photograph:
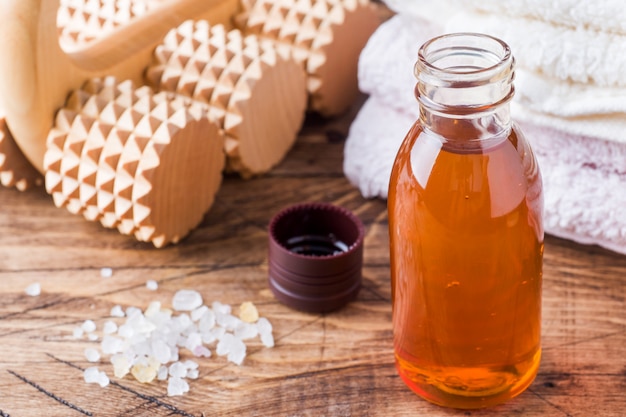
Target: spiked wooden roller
x=255 y=91
x=326 y=36
x=115 y=156
x=148 y=161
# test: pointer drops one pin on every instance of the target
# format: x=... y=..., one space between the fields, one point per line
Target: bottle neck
x=465 y=84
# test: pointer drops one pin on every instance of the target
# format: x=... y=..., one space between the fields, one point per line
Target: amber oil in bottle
x=466 y=236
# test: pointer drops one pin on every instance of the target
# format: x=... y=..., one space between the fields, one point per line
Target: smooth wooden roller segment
x=327 y=36
x=255 y=90
x=148 y=164
x=37 y=75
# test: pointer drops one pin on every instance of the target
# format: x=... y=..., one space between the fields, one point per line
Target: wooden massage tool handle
x=149 y=164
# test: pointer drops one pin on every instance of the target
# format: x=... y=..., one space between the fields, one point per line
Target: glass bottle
x=466 y=235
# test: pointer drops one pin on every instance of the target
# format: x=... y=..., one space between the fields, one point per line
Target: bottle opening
x=469 y=57
x=464 y=70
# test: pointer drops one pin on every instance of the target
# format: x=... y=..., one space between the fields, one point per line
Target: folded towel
x=603 y=15
x=387 y=64
x=575 y=54
x=575 y=118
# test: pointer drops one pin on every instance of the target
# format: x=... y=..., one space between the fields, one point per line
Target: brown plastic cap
x=315 y=256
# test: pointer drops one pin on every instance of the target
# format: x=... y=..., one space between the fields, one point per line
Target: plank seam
x=49 y=394
x=556 y=407
x=174 y=410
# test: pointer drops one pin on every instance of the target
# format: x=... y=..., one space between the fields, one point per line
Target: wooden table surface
x=338 y=364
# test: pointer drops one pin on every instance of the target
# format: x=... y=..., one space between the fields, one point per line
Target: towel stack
x=570 y=100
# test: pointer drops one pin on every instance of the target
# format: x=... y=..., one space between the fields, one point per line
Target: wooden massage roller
x=237 y=76
x=131 y=111
x=114 y=156
x=325 y=36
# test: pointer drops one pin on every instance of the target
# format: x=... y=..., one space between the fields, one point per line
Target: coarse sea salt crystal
x=111 y=345
x=248 y=312
x=162 y=373
x=161 y=351
x=181 y=323
x=145 y=373
x=177 y=369
x=193 y=340
x=161 y=319
x=193 y=374
x=132 y=311
x=78 y=332
x=140 y=324
x=89 y=326
x=267 y=339
x=152 y=285
x=225 y=344
x=177 y=386
x=207 y=321
x=201 y=351
x=264 y=326
x=91 y=375
x=233 y=347
x=220 y=308
x=238 y=354
x=121 y=365
x=106 y=272
x=33 y=289
x=153 y=309
x=117 y=311
x=92 y=336
x=126 y=331
x=186 y=300
x=199 y=312
x=245 y=331
x=92 y=355
x=227 y=321
x=265 y=331
x=103 y=379
x=217 y=333
x=109 y=327
x=175 y=355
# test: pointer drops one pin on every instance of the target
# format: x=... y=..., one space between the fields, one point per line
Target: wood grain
x=338 y=364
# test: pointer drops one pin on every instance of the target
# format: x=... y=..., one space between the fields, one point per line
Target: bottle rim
x=470 y=59
x=464 y=73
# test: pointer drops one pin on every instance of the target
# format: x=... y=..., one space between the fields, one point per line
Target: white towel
x=387 y=64
x=600 y=15
x=575 y=54
x=573 y=111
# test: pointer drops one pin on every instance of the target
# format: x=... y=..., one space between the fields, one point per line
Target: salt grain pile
x=147 y=344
